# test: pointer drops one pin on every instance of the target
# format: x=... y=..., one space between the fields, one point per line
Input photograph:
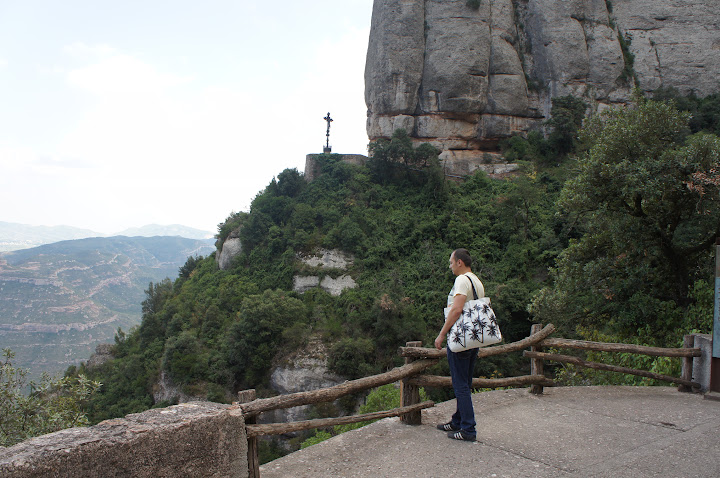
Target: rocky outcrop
x=333 y=286
x=302 y=371
x=103 y=353
x=463 y=78
x=231 y=248
x=325 y=261
x=164 y=390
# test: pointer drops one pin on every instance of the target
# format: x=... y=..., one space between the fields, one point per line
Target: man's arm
x=453 y=315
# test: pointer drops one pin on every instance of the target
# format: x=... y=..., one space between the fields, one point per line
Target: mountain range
x=14 y=236
x=59 y=300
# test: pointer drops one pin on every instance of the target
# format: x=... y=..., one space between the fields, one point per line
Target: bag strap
x=473 y=287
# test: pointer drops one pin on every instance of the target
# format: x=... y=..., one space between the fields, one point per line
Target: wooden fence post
x=410 y=394
x=536 y=365
x=687 y=364
x=245 y=396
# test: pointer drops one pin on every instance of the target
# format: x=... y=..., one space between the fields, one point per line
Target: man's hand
x=439 y=340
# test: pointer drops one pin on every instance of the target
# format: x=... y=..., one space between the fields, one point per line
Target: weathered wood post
x=687 y=364
x=245 y=396
x=410 y=394
x=536 y=365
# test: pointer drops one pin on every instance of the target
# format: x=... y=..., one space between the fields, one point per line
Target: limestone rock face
x=325 y=260
x=464 y=78
x=165 y=390
x=675 y=42
x=230 y=248
x=337 y=285
x=328 y=259
x=396 y=30
x=302 y=371
x=103 y=353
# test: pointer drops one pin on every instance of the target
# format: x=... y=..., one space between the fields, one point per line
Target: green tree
x=183 y=359
x=290 y=183
x=648 y=232
x=189 y=266
x=350 y=357
x=253 y=339
x=705 y=111
x=566 y=117
x=388 y=154
x=29 y=409
x=153 y=324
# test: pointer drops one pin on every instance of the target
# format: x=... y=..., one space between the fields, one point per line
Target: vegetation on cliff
x=621 y=250
x=30 y=408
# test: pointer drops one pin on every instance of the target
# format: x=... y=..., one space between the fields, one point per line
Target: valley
x=59 y=301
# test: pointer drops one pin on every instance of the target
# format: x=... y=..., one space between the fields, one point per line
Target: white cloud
x=3 y=63
x=14 y=158
x=122 y=73
x=52 y=164
x=204 y=151
x=82 y=51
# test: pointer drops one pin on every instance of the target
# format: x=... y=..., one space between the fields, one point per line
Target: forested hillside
x=607 y=233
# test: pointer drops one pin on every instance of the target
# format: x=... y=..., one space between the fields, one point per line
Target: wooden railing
x=684 y=382
x=418 y=359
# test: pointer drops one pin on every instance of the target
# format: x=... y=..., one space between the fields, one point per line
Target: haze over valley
x=14 y=236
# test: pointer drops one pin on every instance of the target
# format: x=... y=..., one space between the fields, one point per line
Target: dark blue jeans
x=461 y=371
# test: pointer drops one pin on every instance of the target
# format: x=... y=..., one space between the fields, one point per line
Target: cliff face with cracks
x=463 y=78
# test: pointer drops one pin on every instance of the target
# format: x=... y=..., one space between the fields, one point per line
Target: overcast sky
x=117 y=114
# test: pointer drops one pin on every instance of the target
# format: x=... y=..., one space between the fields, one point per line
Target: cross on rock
x=327 y=147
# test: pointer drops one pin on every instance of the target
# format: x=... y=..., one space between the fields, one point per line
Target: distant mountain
x=58 y=301
x=23 y=236
x=15 y=236
x=172 y=230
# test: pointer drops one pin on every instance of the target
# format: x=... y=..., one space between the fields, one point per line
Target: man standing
x=462 y=425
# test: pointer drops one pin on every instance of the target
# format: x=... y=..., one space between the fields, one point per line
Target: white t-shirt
x=462 y=286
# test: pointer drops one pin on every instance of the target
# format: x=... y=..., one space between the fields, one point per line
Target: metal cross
x=329 y=120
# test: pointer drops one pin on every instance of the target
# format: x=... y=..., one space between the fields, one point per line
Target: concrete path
x=567 y=432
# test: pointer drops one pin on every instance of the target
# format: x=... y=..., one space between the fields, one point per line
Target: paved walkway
x=567 y=432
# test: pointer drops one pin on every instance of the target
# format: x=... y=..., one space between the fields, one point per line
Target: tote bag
x=476 y=326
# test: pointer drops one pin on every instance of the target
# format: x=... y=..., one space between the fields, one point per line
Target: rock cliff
x=300 y=371
x=463 y=78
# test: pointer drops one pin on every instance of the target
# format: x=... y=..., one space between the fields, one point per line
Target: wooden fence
x=684 y=382
x=418 y=359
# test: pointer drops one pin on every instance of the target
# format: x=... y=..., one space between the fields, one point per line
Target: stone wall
x=197 y=439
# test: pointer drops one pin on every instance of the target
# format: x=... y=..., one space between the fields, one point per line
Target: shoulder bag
x=476 y=326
